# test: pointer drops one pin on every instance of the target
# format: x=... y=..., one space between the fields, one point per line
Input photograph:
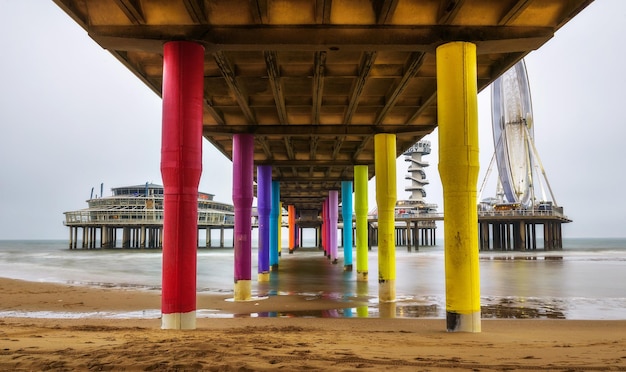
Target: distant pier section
x=137 y=213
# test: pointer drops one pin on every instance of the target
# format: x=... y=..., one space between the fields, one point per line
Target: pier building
x=137 y=212
x=311 y=94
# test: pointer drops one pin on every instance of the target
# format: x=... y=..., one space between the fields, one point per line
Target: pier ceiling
x=315 y=80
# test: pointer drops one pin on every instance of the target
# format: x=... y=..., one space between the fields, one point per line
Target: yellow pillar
x=360 y=208
x=457 y=109
x=386 y=195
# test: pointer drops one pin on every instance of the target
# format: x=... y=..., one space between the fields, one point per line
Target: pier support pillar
x=274 y=217
x=386 y=196
x=291 y=216
x=333 y=215
x=323 y=228
x=280 y=229
x=264 y=208
x=457 y=109
x=243 y=193
x=346 y=214
x=360 y=201
x=181 y=166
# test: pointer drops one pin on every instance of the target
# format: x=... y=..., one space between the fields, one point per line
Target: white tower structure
x=416 y=175
x=415 y=204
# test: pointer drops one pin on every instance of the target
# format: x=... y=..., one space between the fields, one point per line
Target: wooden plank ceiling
x=314 y=80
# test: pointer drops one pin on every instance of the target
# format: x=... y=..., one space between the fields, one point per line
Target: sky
x=72 y=117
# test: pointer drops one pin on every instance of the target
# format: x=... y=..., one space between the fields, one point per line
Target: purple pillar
x=333 y=214
x=243 y=162
x=264 y=207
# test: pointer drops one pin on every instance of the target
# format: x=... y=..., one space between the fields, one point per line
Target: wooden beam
x=384 y=10
x=132 y=10
x=318 y=85
x=432 y=100
x=306 y=130
x=449 y=10
x=322 y=11
x=313 y=147
x=514 y=11
x=367 y=61
x=219 y=119
x=317 y=163
x=496 y=39
x=196 y=11
x=266 y=147
x=289 y=147
x=415 y=63
x=228 y=73
x=259 y=11
x=361 y=147
x=271 y=61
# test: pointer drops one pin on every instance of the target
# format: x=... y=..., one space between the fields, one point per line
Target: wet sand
x=243 y=343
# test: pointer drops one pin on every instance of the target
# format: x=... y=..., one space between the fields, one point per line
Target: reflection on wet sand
x=503 y=308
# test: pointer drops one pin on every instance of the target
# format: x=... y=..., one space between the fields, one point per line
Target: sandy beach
x=245 y=343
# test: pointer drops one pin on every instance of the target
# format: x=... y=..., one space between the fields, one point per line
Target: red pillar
x=181 y=166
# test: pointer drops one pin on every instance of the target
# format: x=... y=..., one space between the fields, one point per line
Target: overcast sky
x=73 y=117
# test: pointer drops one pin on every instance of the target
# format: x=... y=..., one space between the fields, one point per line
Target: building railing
x=555 y=212
x=139 y=217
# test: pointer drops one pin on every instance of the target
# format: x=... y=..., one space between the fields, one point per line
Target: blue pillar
x=274 y=216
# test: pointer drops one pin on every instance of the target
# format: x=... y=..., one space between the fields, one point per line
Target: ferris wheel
x=513 y=135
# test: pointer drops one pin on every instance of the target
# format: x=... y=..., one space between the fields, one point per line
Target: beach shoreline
x=280 y=343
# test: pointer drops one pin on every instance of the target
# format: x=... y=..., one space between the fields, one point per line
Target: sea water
x=586 y=280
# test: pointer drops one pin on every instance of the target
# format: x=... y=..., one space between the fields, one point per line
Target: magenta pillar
x=324 y=227
x=181 y=166
x=243 y=176
x=333 y=215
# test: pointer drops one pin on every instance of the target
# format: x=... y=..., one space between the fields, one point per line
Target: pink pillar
x=333 y=215
x=181 y=166
x=324 y=225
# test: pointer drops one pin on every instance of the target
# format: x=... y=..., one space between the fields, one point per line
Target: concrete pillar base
x=243 y=290
x=456 y=322
x=347 y=267
x=361 y=276
x=274 y=267
x=387 y=291
x=263 y=277
x=179 y=320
